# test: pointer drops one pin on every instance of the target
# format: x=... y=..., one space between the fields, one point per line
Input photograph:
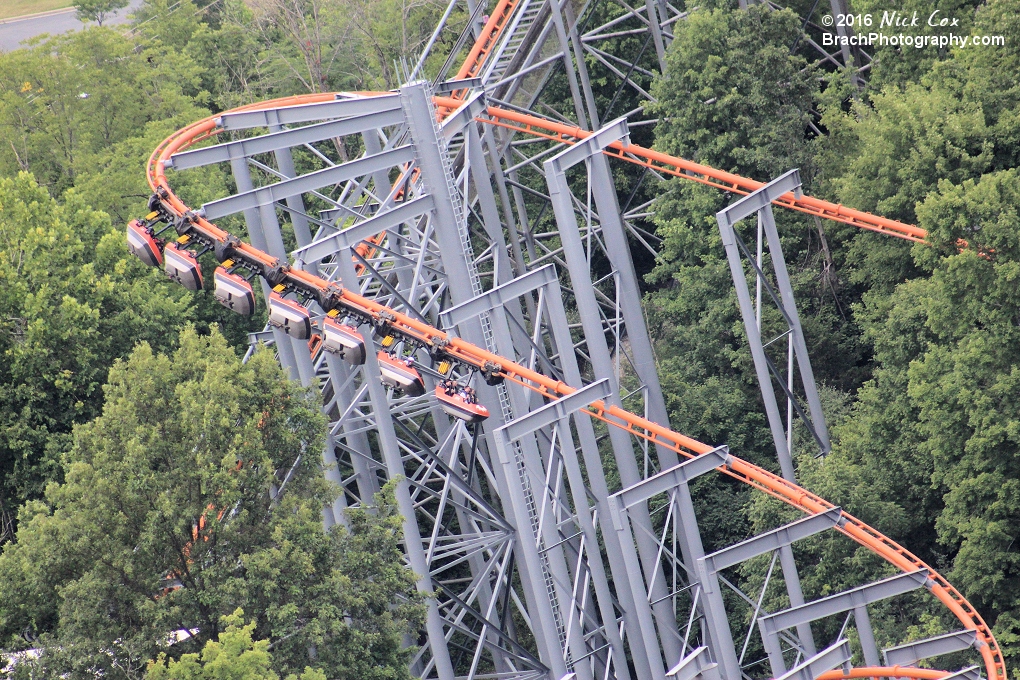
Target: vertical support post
x=621 y=526
x=285 y=161
x=463 y=285
x=256 y=230
x=618 y=249
x=866 y=635
x=602 y=364
x=655 y=26
x=645 y=666
x=799 y=346
x=565 y=47
x=395 y=468
x=792 y=579
x=760 y=203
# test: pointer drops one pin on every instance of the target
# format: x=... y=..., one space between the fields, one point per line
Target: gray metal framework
x=912 y=652
x=780 y=291
x=552 y=545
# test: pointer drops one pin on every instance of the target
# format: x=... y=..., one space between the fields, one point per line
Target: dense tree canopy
x=916 y=347
x=180 y=482
x=235 y=656
x=72 y=300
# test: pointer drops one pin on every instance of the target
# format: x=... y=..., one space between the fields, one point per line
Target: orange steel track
x=885 y=672
x=458 y=349
x=748 y=473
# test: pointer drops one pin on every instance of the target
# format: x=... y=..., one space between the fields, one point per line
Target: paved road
x=13 y=31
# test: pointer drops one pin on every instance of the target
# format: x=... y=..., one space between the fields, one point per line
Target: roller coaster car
x=142 y=245
x=290 y=317
x=233 y=292
x=460 y=402
x=182 y=267
x=343 y=340
x=400 y=374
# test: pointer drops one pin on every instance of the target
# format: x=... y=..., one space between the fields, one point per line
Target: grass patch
x=16 y=8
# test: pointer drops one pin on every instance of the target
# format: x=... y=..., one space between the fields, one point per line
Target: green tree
x=900 y=65
x=235 y=656
x=906 y=140
x=190 y=440
x=66 y=102
x=71 y=301
x=98 y=10
x=984 y=74
x=733 y=96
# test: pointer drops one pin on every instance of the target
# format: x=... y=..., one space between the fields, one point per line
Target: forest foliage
x=916 y=348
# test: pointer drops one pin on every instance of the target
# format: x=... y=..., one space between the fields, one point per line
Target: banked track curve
x=341 y=298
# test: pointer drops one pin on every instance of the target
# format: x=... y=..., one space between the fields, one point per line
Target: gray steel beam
x=616 y=131
x=771 y=540
x=266 y=237
x=296 y=204
x=969 y=673
x=448 y=86
x=825 y=660
x=499 y=296
x=556 y=410
x=654 y=24
x=544 y=621
x=367 y=481
x=222 y=153
x=760 y=202
x=855 y=599
x=412 y=538
x=268 y=195
x=866 y=635
x=378 y=223
x=676 y=480
x=602 y=364
x=568 y=67
x=390 y=447
x=787 y=183
x=695 y=666
x=295 y=360
x=463 y=285
x=558 y=413
x=486 y=200
x=623 y=533
x=618 y=251
x=682 y=473
x=303 y=113
x=580 y=65
x=912 y=652
x=807 y=375
x=473 y=107
x=646 y=667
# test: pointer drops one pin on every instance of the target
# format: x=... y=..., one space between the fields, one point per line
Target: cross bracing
x=471 y=214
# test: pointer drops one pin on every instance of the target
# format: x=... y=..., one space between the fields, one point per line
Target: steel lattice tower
x=554 y=543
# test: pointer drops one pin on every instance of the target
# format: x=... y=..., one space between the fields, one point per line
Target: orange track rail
x=680 y=167
x=885 y=672
x=687 y=447
x=756 y=477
